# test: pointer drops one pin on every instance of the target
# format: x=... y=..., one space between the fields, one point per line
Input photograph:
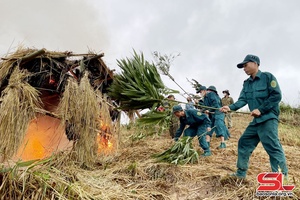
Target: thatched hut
x=53 y=101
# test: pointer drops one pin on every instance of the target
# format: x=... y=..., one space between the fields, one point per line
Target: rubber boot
x=222 y=145
x=207 y=153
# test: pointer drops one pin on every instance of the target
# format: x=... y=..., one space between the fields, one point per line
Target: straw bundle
x=19 y=100
x=79 y=111
x=109 y=130
x=10 y=63
x=5 y=70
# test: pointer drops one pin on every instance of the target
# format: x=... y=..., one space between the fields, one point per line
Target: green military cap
x=212 y=88
x=249 y=58
x=202 y=87
x=177 y=108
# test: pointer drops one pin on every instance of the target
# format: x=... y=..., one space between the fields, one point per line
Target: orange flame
x=109 y=144
x=104 y=138
x=44 y=137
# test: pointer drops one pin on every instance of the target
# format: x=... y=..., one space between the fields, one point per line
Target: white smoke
x=58 y=25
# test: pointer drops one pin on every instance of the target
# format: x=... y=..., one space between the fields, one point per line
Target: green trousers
x=193 y=131
x=266 y=133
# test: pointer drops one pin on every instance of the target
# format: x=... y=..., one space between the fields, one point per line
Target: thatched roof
x=63 y=85
x=49 y=70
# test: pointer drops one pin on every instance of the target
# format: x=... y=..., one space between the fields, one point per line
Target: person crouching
x=198 y=123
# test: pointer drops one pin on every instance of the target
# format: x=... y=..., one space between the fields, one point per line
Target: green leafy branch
x=139 y=86
x=181 y=152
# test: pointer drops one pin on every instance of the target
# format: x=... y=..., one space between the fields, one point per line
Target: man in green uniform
x=198 y=123
x=211 y=99
x=262 y=94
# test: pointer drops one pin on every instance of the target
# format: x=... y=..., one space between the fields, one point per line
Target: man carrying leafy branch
x=212 y=99
x=198 y=123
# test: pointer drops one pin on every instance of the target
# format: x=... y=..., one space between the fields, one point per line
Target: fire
x=104 y=138
x=105 y=145
x=33 y=148
x=44 y=137
x=109 y=144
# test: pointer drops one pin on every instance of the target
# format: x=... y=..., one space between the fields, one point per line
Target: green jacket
x=194 y=118
x=262 y=93
x=226 y=101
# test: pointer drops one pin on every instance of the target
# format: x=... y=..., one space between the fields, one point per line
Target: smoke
x=58 y=25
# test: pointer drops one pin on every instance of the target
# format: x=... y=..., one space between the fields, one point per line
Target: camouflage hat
x=249 y=58
x=177 y=108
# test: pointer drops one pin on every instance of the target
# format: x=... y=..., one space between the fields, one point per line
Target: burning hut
x=55 y=101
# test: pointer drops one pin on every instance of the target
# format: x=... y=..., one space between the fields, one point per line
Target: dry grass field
x=132 y=172
x=141 y=177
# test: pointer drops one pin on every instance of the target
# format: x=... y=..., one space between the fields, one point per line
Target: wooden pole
x=31 y=56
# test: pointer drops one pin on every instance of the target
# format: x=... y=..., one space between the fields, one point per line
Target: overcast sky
x=212 y=36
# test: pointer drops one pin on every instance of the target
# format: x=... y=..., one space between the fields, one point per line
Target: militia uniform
x=198 y=124
x=263 y=93
x=212 y=99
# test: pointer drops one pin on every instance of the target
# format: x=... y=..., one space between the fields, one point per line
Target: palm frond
x=156 y=119
x=139 y=86
x=182 y=152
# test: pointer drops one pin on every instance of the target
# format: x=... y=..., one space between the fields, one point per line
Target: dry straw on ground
x=132 y=173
